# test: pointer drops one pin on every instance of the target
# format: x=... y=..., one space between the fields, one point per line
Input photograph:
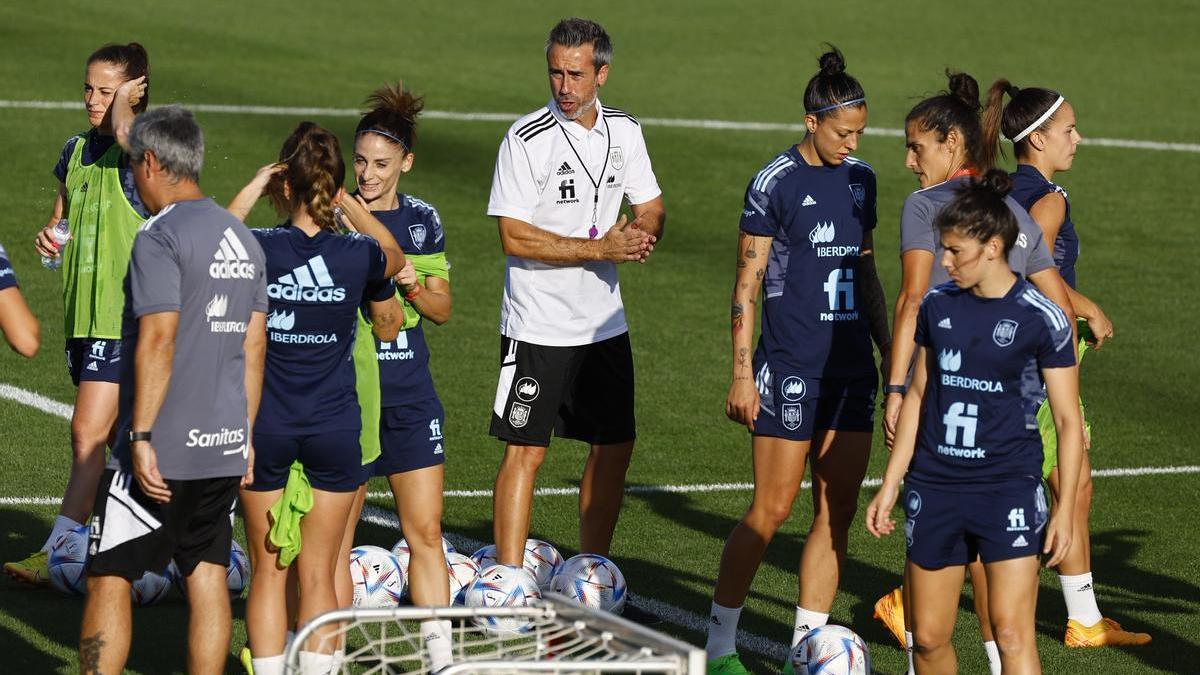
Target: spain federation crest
x=616 y=157
x=518 y=415
x=859 y=193
x=1005 y=332
x=417 y=232
x=791 y=416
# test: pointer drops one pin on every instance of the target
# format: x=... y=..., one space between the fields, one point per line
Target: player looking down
x=317 y=279
x=566 y=366
x=807 y=394
x=967 y=445
x=1041 y=125
x=99 y=198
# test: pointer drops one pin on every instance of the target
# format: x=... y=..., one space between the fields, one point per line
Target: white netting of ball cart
x=562 y=637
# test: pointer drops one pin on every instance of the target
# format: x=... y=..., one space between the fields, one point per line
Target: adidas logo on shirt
x=565 y=169
x=309 y=282
x=944 y=323
x=231 y=261
x=808 y=201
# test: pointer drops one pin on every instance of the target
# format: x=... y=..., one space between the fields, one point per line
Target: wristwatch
x=135 y=436
x=894 y=389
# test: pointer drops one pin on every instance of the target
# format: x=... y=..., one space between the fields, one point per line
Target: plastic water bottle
x=61 y=234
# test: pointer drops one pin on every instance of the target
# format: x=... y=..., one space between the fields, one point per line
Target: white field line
x=509 y=117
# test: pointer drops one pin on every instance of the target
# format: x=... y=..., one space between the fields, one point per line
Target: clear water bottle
x=61 y=234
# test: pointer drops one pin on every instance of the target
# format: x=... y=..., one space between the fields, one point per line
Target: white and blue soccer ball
x=67 y=564
x=486 y=556
x=831 y=650
x=403 y=553
x=237 y=572
x=592 y=581
x=462 y=571
x=152 y=588
x=503 y=586
x=543 y=561
x=377 y=578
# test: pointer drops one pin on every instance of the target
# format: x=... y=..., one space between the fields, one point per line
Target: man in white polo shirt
x=565 y=363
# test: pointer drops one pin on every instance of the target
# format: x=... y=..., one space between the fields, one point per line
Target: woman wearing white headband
x=1041 y=125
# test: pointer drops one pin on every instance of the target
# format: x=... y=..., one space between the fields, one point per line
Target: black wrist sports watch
x=135 y=436
x=895 y=389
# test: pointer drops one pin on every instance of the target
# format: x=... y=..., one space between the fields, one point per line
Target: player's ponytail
x=956 y=108
x=314 y=172
x=832 y=88
x=1028 y=110
x=980 y=211
x=392 y=113
x=132 y=59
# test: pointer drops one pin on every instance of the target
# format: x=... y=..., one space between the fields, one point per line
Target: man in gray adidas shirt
x=195 y=321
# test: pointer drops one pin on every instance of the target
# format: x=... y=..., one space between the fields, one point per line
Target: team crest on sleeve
x=791 y=415
x=859 y=193
x=1005 y=332
x=616 y=157
x=518 y=415
x=417 y=232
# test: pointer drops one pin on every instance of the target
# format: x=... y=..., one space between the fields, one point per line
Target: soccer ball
x=377 y=577
x=592 y=581
x=237 y=572
x=462 y=572
x=486 y=557
x=503 y=586
x=68 y=561
x=151 y=588
x=543 y=561
x=402 y=553
x=831 y=650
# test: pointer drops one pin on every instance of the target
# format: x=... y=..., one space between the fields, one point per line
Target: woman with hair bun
x=967 y=446
x=409 y=442
x=99 y=200
x=807 y=394
x=317 y=278
x=1041 y=125
x=945 y=149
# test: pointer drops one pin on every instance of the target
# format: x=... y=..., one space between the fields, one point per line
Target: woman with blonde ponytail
x=309 y=420
x=1041 y=125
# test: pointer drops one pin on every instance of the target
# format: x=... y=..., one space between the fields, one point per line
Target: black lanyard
x=595 y=181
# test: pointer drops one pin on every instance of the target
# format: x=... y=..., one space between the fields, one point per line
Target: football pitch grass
x=1128 y=71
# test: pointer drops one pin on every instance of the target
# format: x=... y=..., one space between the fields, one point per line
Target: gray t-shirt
x=1028 y=256
x=196 y=259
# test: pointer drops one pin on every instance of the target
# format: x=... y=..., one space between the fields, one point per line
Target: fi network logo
x=961 y=419
x=839 y=288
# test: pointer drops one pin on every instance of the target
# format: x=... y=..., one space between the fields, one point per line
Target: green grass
x=1127 y=69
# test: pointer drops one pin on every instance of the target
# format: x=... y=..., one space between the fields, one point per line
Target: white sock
x=993 y=654
x=1080 y=597
x=271 y=665
x=314 y=663
x=61 y=525
x=436 y=636
x=722 y=631
x=908 y=650
x=806 y=621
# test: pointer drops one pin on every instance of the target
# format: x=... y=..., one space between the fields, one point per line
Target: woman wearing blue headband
x=807 y=393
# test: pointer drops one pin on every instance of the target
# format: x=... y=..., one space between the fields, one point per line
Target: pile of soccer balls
x=380 y=579
x=68 y=571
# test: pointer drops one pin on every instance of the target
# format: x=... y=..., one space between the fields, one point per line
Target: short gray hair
x=574 y=32
x=172 y=134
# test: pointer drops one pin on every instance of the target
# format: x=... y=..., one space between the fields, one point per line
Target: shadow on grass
x=46 y=634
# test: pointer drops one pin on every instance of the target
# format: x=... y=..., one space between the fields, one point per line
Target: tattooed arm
x=875 y=303
x=742 y=404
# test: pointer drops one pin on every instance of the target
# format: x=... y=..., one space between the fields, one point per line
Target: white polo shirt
x=546 y=174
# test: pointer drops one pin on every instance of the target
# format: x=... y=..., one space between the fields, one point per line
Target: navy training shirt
x=985 y=355
x=404 y=375
x=1028 y=186
x=8 y=278
x=812 y=323
x=315 y=286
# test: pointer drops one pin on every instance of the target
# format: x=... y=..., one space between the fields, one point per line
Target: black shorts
x=583 y=392
x=132 y=534
x=93 y=360
x=332 y=460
